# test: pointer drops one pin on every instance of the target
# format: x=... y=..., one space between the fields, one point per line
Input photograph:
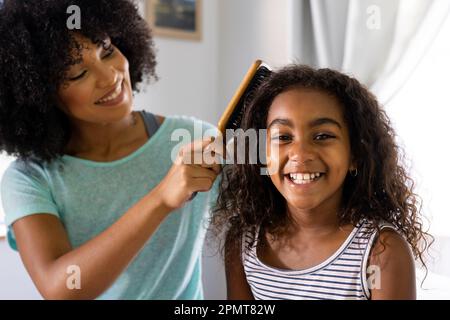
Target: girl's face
x=313 y=156
x=98 y=89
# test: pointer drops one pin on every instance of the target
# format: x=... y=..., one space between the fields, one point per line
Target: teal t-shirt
x=89 y=196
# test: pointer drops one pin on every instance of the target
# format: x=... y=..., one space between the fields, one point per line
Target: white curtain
x=380 y=42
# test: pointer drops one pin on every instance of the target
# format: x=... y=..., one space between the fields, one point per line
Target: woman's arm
x=237 y=285
x=392 y=261
x=47 y=254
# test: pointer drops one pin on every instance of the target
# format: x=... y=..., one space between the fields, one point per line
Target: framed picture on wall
x=175 y=18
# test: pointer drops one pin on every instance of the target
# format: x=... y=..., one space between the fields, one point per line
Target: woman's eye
x=323 y=136
x=107 y=47
x=106 y=44
x=109 y=52
x=81 y=75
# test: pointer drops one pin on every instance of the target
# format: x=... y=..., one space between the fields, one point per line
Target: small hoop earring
x=354 y=172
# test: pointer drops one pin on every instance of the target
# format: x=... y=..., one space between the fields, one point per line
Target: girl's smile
x=313 y=156
x=303 y=179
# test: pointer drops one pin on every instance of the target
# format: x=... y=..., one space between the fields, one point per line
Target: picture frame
x=181 y=19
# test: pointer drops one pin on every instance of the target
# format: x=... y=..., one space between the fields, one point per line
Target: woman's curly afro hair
x=36 y=50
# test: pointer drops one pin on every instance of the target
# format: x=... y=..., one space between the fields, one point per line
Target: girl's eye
x=81 y=75
x=281 y=138
x=323 y=136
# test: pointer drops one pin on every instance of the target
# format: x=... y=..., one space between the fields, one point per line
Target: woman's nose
x=107 y=76
x=301 y=151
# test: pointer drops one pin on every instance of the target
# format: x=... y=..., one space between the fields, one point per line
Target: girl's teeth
x=303 y=178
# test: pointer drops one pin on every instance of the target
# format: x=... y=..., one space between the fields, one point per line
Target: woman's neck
x=103 y=140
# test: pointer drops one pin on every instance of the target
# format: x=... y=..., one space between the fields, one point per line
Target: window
x=420 y=113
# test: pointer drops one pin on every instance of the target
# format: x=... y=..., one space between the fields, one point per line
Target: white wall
x=250 y=30
x=188 y=72
x=14 y=280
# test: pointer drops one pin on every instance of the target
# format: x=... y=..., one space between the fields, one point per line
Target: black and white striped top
x=342 y=276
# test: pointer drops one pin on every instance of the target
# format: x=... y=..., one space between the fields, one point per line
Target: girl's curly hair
x=382 y=190
x=36 y=50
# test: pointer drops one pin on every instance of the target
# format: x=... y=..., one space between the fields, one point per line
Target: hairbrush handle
x=237 y=96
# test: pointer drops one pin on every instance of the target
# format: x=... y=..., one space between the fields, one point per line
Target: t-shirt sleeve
x=24 y=192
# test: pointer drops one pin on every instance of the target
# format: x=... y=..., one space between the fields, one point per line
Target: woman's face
x=313 y=156
x=98 y=89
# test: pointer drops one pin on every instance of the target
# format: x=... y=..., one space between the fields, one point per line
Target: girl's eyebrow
x=314 y=123
x=281 y=121
x=320 y=121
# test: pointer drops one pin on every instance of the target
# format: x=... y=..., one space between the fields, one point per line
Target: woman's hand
x=195 y=169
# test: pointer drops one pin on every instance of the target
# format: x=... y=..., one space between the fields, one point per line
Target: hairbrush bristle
x=234 y=122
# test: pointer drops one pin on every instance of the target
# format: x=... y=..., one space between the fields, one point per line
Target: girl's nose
x=301 y=152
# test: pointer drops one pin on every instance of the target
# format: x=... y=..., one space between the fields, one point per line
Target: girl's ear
x=353 y=169
x=353 y=164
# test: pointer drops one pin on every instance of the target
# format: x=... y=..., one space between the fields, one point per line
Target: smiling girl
x=336 y=217
x=94 y=204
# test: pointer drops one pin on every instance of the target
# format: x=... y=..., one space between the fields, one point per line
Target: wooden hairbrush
x=232 y=116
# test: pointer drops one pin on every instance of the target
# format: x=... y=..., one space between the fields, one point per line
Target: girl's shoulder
x=370 y=227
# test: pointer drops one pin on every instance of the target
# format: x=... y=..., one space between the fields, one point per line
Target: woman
x=94 y=203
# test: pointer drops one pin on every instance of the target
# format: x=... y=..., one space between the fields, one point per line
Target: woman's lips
x=113 y=98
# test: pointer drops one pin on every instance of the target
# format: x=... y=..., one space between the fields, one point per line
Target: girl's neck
x=318 y=221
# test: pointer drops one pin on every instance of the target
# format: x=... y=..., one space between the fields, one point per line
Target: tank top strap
x=150 y=121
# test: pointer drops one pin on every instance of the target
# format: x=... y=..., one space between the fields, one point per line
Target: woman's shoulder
x=190 y=123
x=188 y=120
x=28 y=166
x=21 y=170
x=160 y=119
